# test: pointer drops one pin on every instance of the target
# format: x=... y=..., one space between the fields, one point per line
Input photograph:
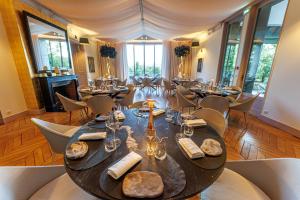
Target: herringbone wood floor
x=21 y=143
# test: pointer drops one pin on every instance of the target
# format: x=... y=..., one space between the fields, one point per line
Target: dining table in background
x=198 y=176
x=110 y=92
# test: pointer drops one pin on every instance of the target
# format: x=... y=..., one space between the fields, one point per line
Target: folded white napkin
x=119 y=115
x=92 y=136
x=118 y=169
x=192 y=150
x=158 y=112
x=195 y=122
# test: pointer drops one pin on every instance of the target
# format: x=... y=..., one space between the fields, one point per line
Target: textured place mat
x=172 y=175
x=95 y=155
x=207 y=162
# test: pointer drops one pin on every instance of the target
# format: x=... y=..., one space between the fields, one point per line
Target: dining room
x=149 y=99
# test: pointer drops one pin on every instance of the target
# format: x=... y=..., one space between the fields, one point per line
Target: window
x=144 y=59
x=264 y=44
x=231 y=51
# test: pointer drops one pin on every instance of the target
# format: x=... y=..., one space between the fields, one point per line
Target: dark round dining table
x=198 y=177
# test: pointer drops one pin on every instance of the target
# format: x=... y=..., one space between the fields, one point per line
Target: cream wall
x=282 y=102
x=91 y=50
x=210 y=54
x=12 y=98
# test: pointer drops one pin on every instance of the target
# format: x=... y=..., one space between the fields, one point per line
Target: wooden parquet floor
x=21 y=143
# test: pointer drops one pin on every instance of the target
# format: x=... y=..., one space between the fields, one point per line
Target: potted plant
x=108 y=52
x=181 y=52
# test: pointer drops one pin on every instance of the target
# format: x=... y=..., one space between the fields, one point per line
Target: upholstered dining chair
x=100 y=104
x=213 y=118
x=57 y=135
x=136 y=82
x=183 y=102
x=157 y=83
x=276 y=179
x=98 y=83
x=217 y=103
x=39 y=183
x=168 y=86
x=71 y=105
x=127 y=100
x=244 y=105
x=147 y=83
x=187 y=93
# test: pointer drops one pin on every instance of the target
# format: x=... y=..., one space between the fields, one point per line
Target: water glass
x=169 y=114
x=160 y=151
x=188 y=130
x=110 y=144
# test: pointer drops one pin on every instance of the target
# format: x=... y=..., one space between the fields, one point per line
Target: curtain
x=165 y=64
x=121 y=61
x=175 y=61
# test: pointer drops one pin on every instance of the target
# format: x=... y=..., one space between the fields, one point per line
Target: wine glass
x=181 y=123
x=169 y=114
x=114 y=125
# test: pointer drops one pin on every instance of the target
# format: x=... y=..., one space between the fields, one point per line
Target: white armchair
x=39 y=183
x=19 y=183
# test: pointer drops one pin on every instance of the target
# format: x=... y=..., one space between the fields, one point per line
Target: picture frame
x=200 y=65
x=91 y=64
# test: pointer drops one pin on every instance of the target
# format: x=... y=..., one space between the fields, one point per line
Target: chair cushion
x=72 y=131
x=190 y=96
x=231 y=185
x=61 y=188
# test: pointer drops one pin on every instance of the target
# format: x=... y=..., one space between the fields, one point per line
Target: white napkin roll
x=195 y=122
x=192 y=150
x=158 y=112
x=92 y=136
x=118 y=169
x=119 y=115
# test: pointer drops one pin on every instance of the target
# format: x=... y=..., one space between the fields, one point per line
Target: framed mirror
x=48 y=44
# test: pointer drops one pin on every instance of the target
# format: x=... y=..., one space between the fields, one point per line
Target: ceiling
x=129 y=19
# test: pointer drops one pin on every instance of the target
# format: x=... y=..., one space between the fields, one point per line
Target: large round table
x=197 y=178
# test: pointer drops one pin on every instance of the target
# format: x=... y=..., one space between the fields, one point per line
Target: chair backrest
x=54 y=134
x=135 y=81
x=218 y=103
x=182 y=101
x=67 y=103
x=278 y=178
x=213 y=118
x=147 y=82
x=167 y=84
x=183 y=90
x=130 y=87
x=100 y=104
x=245 y=104
x=128 y=99
x=157 y=81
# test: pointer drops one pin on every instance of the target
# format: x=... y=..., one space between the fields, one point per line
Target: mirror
x=48 y=44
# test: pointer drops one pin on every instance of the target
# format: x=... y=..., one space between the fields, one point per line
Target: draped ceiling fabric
x=129 y=19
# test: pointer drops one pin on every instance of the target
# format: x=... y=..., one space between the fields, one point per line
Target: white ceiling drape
x=162 y=19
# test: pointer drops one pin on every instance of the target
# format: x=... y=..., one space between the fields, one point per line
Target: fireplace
x=65 y=85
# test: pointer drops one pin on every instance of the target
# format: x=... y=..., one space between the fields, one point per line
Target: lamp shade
x=84 y=40
x=195 y=44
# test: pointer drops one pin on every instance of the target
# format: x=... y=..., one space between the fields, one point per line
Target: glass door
x=231 y=51
x=266 y=36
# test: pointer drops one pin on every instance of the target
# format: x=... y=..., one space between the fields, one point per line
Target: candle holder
x=150 y=131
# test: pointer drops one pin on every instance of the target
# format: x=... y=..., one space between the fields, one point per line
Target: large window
x=231 y=52
x=264 y=44
x=144 y=59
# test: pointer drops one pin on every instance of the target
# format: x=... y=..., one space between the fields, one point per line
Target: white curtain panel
x=121 y=61
x=166 y=64
x=163 y=19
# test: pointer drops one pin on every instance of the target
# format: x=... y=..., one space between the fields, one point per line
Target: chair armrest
x=278 y=178
x=19 y=183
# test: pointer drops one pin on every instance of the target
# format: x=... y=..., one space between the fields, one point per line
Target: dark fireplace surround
x=65 y=85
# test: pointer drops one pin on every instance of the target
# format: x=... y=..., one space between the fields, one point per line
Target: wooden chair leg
x=70 y=117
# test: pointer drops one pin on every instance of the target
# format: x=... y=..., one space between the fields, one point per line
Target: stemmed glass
x=114 y=125
x=181 y=123
x=169 y=114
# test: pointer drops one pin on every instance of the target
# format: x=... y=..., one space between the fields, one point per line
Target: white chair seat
x=231 y=185
x=61 y=188
x=71 y=132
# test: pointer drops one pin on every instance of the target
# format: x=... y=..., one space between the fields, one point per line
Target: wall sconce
x=84 y=41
